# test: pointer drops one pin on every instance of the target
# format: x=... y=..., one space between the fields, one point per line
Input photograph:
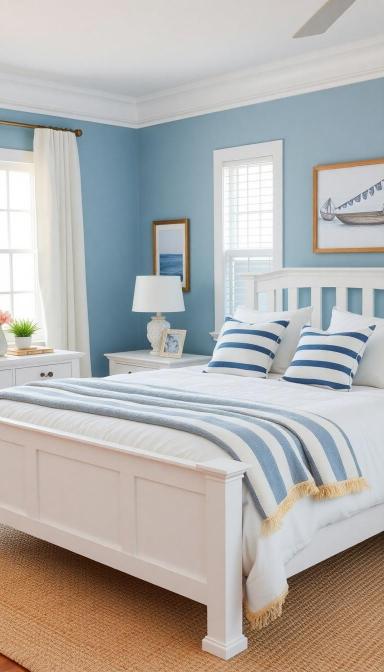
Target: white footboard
x=174 y=523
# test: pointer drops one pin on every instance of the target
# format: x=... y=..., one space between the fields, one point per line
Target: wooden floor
x=7 y=665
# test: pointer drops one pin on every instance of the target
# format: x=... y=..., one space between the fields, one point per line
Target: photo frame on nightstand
x=172 y=343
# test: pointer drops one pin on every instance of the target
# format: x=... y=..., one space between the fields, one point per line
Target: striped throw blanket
x=292 y=454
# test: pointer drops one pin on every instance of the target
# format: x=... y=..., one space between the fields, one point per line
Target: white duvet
x=360 y=413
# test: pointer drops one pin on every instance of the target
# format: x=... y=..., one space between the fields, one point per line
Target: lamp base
x=154 y=331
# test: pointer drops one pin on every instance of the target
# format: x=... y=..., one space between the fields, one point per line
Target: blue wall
x=176 y=179
x=130 y=177
x=108 y=161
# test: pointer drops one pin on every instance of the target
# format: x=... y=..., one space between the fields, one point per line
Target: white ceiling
x=139 y=47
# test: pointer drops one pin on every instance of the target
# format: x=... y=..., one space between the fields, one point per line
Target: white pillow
x=371 y=368
x=245 y=349
x=327 y=358
x=296 y=318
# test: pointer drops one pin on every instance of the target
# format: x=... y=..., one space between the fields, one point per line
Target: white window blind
x=18 y=250
x=248 y=197
x=247 y=222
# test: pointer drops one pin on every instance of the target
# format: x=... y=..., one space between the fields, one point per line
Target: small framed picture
x=172 y=342
x=171 y=249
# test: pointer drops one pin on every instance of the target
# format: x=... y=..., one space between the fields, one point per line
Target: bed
x=174 y=512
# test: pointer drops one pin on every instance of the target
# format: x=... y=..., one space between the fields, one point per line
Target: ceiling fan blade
x=324 y=18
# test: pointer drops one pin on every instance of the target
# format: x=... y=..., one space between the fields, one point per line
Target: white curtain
x=60 y=242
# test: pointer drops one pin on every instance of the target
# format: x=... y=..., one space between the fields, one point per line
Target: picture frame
x=172 y=342
x=171 y=249
x=348 y=207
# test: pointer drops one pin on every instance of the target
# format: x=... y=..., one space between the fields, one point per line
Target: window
x=18 y=253
x=248 y=219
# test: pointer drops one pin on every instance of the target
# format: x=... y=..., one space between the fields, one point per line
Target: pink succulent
x=5 y=317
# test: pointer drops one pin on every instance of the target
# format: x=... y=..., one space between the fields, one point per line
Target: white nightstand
x=142 y=360
x=26 y=368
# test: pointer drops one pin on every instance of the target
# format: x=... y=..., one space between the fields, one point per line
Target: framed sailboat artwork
x=348 y=207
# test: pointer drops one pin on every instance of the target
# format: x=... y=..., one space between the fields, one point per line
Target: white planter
x=3 y=343
x=23 y=342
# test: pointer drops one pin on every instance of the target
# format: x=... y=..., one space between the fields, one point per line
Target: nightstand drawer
x=119 y=367
x=6 y=378
x=29 y=373
x=142 y=360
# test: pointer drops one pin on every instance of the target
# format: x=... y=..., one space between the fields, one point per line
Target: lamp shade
x=158 y=294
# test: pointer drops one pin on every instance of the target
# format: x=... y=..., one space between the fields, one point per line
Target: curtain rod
x=77 y=131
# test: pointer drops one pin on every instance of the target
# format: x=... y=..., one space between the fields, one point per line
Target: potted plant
x=5 y=318
x=23 y=331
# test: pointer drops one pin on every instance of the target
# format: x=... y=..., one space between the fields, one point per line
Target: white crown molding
x=315 y=71
x=29 y=94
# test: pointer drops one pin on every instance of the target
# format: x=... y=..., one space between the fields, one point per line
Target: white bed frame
x=172 y=522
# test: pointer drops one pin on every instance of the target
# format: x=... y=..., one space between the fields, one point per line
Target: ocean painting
x=171 y=249
x=171 y=264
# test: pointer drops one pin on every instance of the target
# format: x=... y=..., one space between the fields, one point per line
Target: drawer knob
x=46 y=375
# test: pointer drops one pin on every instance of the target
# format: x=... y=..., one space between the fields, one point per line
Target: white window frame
x=245 y=152
x=15 y=158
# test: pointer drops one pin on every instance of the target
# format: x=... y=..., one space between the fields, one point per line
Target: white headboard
x=272 y=285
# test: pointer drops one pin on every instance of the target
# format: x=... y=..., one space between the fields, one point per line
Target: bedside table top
x=144 y=358
x=15 y=361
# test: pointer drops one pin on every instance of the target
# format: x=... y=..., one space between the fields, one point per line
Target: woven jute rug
x=61 y=612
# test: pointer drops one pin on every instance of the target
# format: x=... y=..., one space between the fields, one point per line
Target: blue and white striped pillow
x=329 y=359
x=245 y=349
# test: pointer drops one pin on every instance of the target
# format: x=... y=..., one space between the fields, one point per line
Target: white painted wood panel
x=79 y=497
x=368 y=301
x=224 y=561
x=31 y=373
x=145 y=514
x=317 y=279
x=118 y=367
x=292 y=298
x=12 y=476
x=270 y=301
x=142 y=360
x=6 y=378
x=279 y=299
x=342 y=298
x=317 y=303
x=178 y=545
x=18 y=370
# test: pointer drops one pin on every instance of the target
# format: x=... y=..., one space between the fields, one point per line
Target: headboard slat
x=342 y=298
x=292 y=298
x=271 y=301
x=368 y=301
x=316 y=302
x=279 y=299
x=251 y=294
x=292 y=279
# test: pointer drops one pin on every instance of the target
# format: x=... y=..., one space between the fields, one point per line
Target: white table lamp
x=157 y=294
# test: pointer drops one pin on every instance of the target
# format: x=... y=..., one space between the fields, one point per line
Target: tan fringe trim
x=298 y=491
x=353 y=485
x=341 y=488
x=260 y=619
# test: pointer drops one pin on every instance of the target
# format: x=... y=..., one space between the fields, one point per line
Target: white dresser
x=25 y=369
x=142 y=360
